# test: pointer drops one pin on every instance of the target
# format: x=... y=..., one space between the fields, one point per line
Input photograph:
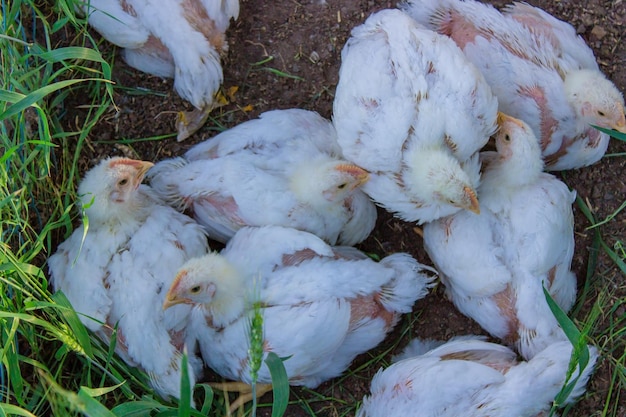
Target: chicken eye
x=507 y=138
x=342 y=186
x=601 y=113
x=195 y=290
x=122 y=182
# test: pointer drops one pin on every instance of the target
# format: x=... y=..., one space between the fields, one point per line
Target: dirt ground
x=304 y=39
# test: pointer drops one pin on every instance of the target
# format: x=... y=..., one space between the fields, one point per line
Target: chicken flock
x=422 y=89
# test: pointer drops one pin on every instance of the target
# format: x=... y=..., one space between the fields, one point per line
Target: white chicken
x=116 y=271
x=180 y=39
x=321 y=305
x=414 y=112
x=541 y=71
x=284 y=168
x=473 y=378
x=495 y=265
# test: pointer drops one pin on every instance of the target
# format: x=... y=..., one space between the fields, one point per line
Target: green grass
x=606 y=319
x=50 y=364
x=260 y=66
x=46 y=352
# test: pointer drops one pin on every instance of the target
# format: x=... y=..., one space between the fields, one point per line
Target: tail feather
x=429 y=13
x=417 y=347
x=411 y=283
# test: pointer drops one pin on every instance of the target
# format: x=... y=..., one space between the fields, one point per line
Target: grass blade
x=580 y=352
x=280 y=384
x=614 y=257
x=37 y=95
x=614 y=133
x=78 y=328
x=184 y=405
x=13 y=410
x=207 y=402
x=72 y=53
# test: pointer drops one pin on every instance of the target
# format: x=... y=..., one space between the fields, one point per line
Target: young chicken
x=321 y=305
x=473 y=378
x=116 y=271
x=284 y=168
x=414 y=112
x=171 y=38
x=495 y=265
x=541 y=71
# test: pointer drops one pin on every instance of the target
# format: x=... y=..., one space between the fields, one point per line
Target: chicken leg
x=244 y=390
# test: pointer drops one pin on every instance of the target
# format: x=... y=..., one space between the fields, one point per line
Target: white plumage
x=321 y=305
x=284 y=168
x=541 y=71
x=472 y=378
x=495 y=264
x=117 y=271
x=180 y=39
x=413 y=111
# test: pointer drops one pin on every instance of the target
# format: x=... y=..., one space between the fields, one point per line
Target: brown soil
x=305 y=39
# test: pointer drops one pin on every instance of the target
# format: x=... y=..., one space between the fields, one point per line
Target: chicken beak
x=501 y=117
x=474 y=205
x=360 y=175
x=172 y=301
x=620 y=126
x=170 y=298
x=505 y=118
x=142 y=168
x=500 y=121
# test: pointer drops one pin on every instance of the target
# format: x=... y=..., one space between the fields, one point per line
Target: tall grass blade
x=144 y=408
x=77 y=327
x=255 y=350
x=207 y=401
x=13 y=410
x=184 y=405
x=580 y=351
x=609 y=217
x=73 y=53
x=83 y=401
x=280 y=384
x=37 y=95
x=10 y=359
x=614 y=257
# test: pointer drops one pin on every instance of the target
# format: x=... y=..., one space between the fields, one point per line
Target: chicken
x=414 y=112
x=473 y=378
x=541 y=71
x=180 y=39
x=116 y=271
x=284 y=168
x=321 y=305
x=495 y=265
